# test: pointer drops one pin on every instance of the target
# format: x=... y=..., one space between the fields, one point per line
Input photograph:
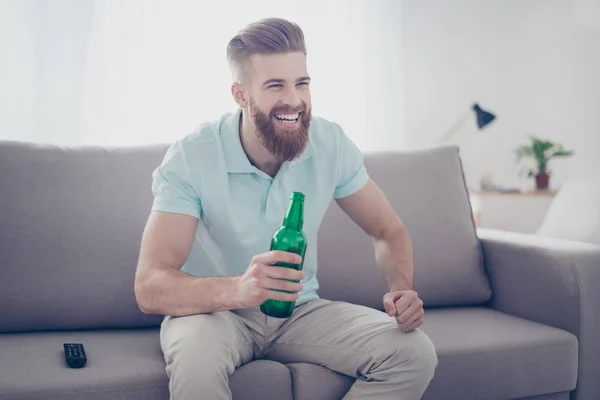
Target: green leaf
x=523 y=151
x=539 y=150
x=563 y=153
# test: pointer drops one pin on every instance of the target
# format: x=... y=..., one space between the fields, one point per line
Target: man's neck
x=255 y=151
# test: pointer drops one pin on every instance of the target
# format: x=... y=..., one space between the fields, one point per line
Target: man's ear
x=239 y=95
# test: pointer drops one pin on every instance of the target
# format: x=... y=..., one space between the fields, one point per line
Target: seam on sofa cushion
x=514 y=349
x=291 y=378
x=569 y=261
x=481 y=267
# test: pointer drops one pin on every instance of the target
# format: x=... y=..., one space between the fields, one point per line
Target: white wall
x=62 y=30
x=125 y=72
x=42 y=50
x=18 y=77
x=535 y=64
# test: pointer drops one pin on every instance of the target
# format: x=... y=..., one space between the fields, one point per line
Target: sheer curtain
x=129 y=72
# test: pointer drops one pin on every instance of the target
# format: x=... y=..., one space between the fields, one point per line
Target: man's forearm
x=176 y=293
x=394 y=256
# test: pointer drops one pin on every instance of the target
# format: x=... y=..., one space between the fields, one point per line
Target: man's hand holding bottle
x=263 y=280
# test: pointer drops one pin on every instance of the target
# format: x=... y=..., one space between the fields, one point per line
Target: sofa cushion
x=486 y=354
x=122 y=364
x=261 y=379
x=482 y=353
x=427 y=190
x=313 y=382
x=71 y=222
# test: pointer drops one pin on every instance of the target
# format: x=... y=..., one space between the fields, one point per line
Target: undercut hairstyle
x=266 y=36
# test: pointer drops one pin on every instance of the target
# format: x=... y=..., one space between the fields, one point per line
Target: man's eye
x=275 y=85
x=303 y=83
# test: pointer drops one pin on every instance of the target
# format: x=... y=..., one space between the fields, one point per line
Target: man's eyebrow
x=269 y=81
x=278 y=80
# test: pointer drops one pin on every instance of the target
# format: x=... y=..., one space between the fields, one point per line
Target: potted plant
x=542 y=151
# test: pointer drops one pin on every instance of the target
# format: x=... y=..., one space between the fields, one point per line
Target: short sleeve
x=352 y=174
x=171 y=185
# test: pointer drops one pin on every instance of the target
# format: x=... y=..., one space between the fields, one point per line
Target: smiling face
x=278 y=101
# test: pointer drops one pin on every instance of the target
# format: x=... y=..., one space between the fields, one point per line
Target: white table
x=518 y=212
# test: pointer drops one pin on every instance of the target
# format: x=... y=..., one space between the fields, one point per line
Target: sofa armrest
x=551 y=281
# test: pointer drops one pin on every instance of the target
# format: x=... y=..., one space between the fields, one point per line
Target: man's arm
x=160 y=285
x=162 y=288
x=370 y=210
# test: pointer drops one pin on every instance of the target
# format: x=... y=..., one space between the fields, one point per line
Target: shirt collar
x=235 y=157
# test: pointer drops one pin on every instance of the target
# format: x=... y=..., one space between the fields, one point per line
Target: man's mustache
x=288 y=110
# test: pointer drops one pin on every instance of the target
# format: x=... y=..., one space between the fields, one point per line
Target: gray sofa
x=512 y=316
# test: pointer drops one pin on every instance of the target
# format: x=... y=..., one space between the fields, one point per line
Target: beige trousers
x=354 y=340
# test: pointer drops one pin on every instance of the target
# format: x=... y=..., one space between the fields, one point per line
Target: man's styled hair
x=266 y=36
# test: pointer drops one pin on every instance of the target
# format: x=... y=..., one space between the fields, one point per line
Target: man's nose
x=291 y=97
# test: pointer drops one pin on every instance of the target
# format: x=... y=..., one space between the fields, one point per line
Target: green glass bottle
x=290 y=238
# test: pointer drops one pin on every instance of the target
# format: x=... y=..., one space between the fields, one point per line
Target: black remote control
x=75 y=355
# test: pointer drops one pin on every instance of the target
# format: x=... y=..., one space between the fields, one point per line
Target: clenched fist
x=406 y=307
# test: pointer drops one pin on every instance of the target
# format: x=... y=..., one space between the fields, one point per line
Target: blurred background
x=397 y=75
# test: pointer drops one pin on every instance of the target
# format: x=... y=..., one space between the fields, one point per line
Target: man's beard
x=284 y=144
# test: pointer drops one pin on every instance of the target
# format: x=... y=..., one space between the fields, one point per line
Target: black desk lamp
x=483 y=119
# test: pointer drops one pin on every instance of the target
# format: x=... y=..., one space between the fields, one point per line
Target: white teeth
x=287 y=117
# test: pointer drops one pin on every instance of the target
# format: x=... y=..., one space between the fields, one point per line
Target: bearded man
x=219 y=195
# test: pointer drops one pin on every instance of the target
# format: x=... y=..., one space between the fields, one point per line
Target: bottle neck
x=295 y=215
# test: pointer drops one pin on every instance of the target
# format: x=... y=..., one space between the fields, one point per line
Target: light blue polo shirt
x=207 y=175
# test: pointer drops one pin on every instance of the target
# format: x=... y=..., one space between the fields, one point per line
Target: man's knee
x=412 y=351
x=423 y=355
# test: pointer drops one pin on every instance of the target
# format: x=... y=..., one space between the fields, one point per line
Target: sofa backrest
x=71 y=222
x=427 y=190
